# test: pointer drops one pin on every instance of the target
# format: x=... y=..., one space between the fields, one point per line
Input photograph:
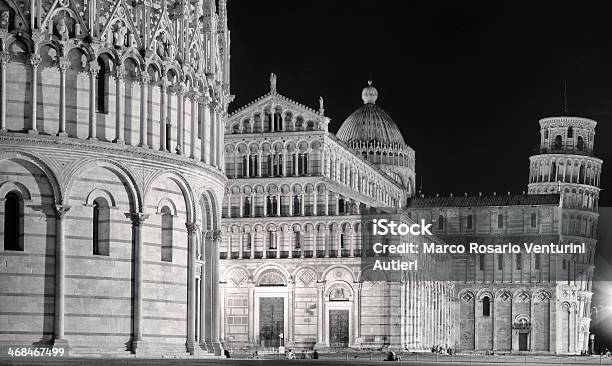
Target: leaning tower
x=565 y=164
x=112 y=174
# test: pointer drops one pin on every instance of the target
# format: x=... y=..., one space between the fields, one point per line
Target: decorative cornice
x=567 y=121
x=109 y=148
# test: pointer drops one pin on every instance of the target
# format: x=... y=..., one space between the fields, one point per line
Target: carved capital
x=119 y=72
x=93 y=68
x=209 y=235
x=217 y=235
x=192 y=227
x=180 y=89
x=137 y=218
x=60 y=211
x=63 y=63
x=35 y=61
x=5 y=57
x=145 y=78
x=194 y=95
x=205 y=99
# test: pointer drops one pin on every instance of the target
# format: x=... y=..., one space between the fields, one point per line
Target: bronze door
x=338 y=328
x=271 y=320
x=523 y=341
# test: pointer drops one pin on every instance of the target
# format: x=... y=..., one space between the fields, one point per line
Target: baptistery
x=111 y=174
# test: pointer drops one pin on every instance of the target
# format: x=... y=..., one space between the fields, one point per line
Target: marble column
x=119 y=117
x=219 y=119
x=203 y=307
x=221 y=307
x=144 y=108
x=251 y=310
x=291 y=310
x=60 y=274
x=162 y=115
x=259 y=164
x=194 y=125
x=137 y=218
x=208 y=294
x=205 y=115
x=241 y=244
x=320 y=313
x=94 y=68
x=34 y=62
x=192 y=229
x=215 y=292
x=63 y=65
x=284 y=162
x=252 y=244
x=213 y=133
x=357 y=311
x=180 y=127
x=4 y=59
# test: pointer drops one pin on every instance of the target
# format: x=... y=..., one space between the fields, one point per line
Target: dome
x=370 y=123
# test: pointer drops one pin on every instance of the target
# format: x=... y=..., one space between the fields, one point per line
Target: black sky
x=465 y=81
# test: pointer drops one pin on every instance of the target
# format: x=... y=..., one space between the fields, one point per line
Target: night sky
x=466 y=82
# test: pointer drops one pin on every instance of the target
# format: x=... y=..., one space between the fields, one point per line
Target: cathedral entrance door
x=271 y=320
x=338 y=328
x=523 y=341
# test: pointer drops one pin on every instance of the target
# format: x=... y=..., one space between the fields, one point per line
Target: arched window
x=486 y=306
x=482 y=262
x=246 y=207
x=558 y=143
x=166 y=234
x=13 y=222
x=341 y=241
x=269 y=206
x=580 y=143
x=101 y=227
x=102 y=88
x=534 y=221
x=296 y=205
x=570 y=132
x=545 y=134
x=500 y=221
x=440 y=222
x=469 y=222
x=278 y=121
x=247 y=241
x=341 y=206
x=298 y=240
x=272 y=241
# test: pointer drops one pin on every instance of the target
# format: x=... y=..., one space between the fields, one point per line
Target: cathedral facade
x=293 y=250
x=137 y=216
x=111 y=174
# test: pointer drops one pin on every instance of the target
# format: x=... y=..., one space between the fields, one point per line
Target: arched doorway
x=339 y=307
x=271 y=309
